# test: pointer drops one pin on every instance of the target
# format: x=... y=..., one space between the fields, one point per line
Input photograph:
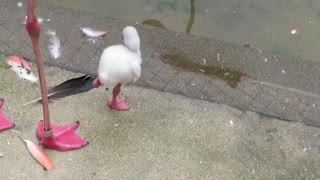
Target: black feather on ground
x=70 y=87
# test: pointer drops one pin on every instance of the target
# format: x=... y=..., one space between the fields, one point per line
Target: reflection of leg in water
x=163 y=5
x=191 y=19
x=167 y=6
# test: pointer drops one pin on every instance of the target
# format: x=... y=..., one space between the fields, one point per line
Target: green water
x=262 y=24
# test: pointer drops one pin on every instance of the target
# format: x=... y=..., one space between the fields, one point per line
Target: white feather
x=92 y=33
x=54 y=47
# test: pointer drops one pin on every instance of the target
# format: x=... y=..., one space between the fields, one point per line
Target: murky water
x=262 y=24
x=179 y=62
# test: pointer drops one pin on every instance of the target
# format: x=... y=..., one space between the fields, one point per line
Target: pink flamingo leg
x=5 y=124
x=61 y=138
x=117 y=104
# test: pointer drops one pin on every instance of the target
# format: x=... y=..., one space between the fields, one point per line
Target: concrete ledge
x=278 y=86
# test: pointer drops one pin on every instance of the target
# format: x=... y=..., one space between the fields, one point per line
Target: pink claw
x=119 y=104
x=63 y=138
x=5 y=124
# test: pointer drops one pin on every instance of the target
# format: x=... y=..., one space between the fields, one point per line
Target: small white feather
x=55 y=46
x=92 y=33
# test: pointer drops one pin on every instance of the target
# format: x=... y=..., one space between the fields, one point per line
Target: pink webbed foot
x=119 y=104
x=63 y=138
x=5 y=124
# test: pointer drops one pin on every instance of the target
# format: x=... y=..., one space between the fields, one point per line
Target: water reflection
x=157 y=23
x=191 y=19
x=263 y=24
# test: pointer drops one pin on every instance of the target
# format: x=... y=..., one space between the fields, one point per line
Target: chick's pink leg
x=96 y=83
x=117 y=104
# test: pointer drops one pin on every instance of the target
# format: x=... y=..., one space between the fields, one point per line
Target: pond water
x=262 y=24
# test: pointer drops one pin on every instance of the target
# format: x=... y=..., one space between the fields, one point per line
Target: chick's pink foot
x=119 y=104
x=63 y=138
x=5 y=124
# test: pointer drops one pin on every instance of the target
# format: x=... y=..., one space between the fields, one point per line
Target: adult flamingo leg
x=5 y=124
x=61 y=138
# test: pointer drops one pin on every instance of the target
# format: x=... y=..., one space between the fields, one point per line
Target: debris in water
x=201 y=70
x=306 y=149
x=231 y=123
x=265 y=59
x=19 y=4
x=116 y=125
x=294 y=31
x=218 y=56
x=283 y=71
x=1 y=154
x=204 y=61
x=247 y=45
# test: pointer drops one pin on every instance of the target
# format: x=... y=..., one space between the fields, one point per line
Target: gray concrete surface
x=177 y=132
x=163 y=136
x=275 y=85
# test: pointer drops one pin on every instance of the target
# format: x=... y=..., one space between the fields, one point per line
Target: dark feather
x=70 y=87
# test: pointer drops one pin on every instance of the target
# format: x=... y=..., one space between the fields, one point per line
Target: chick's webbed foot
x=117 y=104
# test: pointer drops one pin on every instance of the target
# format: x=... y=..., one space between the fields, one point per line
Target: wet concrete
x=178 y=134
x=275 y=85
x=163 y=136
x=178 y=62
